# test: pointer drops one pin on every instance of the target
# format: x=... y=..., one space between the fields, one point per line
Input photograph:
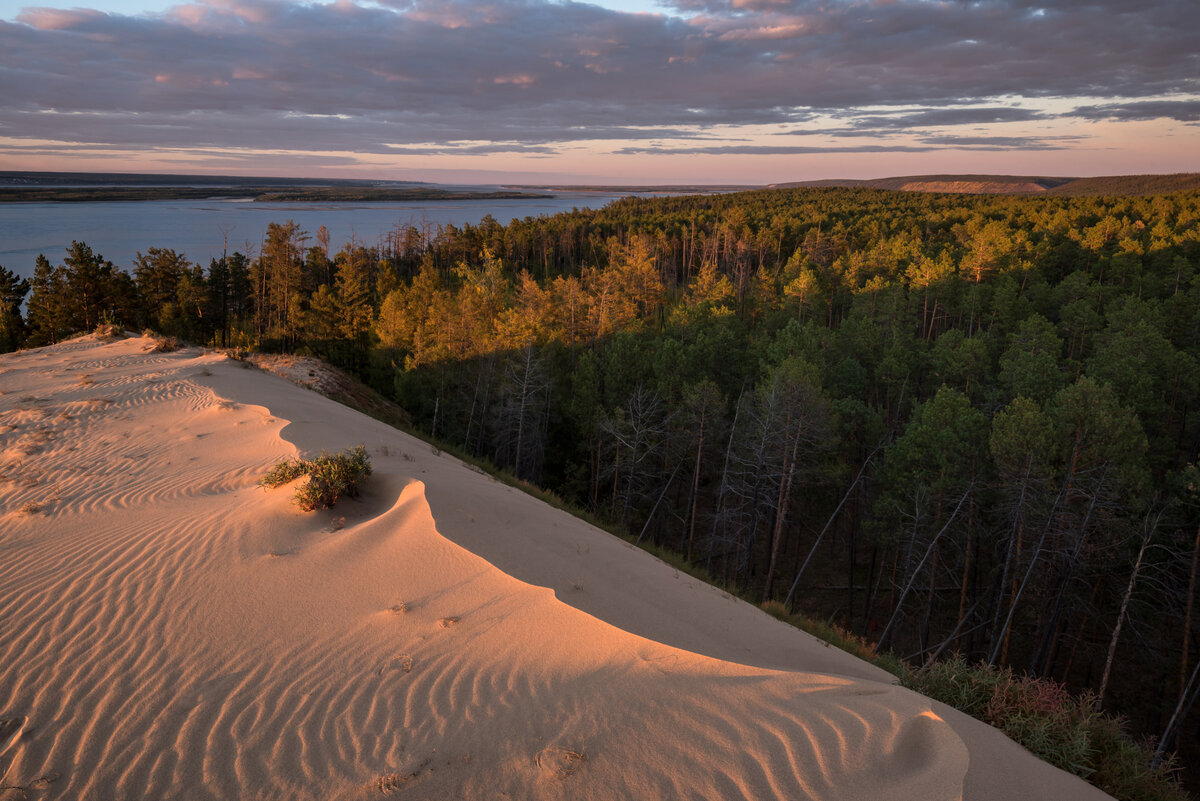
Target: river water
x=200 y=229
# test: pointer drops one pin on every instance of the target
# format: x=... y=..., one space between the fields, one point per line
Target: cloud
x=535 y=74
x=55 y=19
x=767 y=150
x=916 y=121
x=938 y=117
x=1182 y=110
x=923 y=144
x=462 y=149
x=1002 y=142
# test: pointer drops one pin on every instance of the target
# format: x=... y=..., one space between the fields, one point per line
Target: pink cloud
x=58 y=19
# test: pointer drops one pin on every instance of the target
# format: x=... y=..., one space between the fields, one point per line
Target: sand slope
x=169 y=630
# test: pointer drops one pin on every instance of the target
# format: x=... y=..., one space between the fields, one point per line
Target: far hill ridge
x=1019 y=184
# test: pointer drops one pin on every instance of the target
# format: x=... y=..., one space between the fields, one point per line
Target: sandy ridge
x=170 y=630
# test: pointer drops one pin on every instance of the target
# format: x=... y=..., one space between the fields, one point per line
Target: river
x=201 y=229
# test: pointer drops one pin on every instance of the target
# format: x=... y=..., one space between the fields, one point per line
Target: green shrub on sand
x=330 y=477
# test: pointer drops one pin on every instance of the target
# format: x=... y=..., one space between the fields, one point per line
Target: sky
x=612 y=92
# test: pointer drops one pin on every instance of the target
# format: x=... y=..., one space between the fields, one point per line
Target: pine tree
x=12 y=293
x=47 y=315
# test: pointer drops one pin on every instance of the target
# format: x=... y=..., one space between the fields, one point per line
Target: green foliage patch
x=1066 y=730
x=330 y=477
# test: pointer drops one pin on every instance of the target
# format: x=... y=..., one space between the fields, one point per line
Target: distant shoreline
x=263 y=194
x=78 y=187
x=696 y=189
x=92 y=187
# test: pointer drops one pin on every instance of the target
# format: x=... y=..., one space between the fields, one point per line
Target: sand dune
x=169 y=630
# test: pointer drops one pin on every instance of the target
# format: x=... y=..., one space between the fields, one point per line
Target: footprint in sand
x=403 y=662
x=392 y=782
x=10 y=732
x=40 y=783
x=561 y=762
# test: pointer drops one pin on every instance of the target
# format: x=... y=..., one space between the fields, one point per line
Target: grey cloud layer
x=519 y=75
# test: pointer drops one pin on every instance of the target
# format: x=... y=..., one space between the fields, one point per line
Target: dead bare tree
x=634 y=434
x=887 y=630
x=521 y=417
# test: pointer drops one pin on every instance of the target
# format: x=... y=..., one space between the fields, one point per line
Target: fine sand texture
x=171 y=630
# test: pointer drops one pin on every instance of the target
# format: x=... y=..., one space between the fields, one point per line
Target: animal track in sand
x=40 y=783
x=561 y=762
x=448 y=622
x=393 y=782
x=403 y=662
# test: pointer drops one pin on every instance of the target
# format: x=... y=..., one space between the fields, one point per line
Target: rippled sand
x=169 y=630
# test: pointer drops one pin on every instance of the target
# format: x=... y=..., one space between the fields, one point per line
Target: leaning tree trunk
x=695 y=493
x=1040 y=665
x=1012 y=551
x=1116 y=635
x=781 y=507
x=1187 y=617
x=883 y=638
x=724 y=485
x=796 y=581
x=1186 y=699
x=1037 y=553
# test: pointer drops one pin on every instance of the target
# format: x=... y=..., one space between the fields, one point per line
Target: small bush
x=108 y=332
x=1067 y=731
x=163 y=345
x=1121 y=766
x=283 y=472
x=330 y=477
